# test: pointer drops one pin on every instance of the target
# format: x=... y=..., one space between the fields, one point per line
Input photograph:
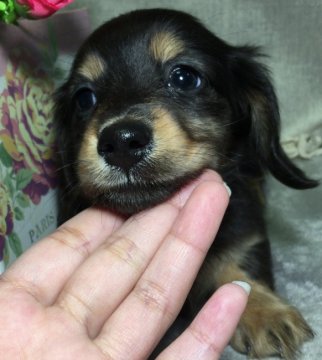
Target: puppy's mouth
x=132 y=197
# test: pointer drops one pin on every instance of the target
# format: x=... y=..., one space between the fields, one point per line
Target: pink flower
x=42 y=8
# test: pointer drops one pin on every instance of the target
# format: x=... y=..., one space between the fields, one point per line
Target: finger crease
x=25 y=286
x=72 y=238
x=154 y=297
x=204 y=339
x=126 y=250
x=76 y=307
x=102 y=346
x=174 y=237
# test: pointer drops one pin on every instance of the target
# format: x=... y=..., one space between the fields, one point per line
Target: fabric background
x=290 y=32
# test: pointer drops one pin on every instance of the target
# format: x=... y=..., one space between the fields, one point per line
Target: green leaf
x=6 y=253
x=15 y=244
x=5 y=158
x=24 y=177
x=18 y=214
x=22 y=200
x=9 y=184
x=7 y=11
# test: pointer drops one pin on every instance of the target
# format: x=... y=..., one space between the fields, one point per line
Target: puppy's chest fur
x=153 y=99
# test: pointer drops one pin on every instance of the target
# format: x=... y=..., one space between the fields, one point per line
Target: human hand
x=104 y=287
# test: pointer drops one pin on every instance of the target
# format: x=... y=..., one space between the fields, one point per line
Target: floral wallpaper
x=27 y=169
x=34 y=59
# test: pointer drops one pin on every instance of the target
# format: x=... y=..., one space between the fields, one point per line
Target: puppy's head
x=154 y=98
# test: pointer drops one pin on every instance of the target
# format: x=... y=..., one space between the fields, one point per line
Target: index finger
x=46 y=266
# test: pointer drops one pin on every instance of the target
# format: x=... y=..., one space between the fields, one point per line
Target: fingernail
x=243 y=285
x=228 y=189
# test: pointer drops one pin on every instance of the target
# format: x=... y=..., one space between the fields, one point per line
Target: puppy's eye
x=184 y=78
x=85 y=99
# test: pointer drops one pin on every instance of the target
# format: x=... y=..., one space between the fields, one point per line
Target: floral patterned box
x=33 y=59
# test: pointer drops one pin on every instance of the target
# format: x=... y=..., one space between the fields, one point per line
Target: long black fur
x=237 y=94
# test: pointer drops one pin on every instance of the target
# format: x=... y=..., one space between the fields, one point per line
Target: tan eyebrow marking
x=165 y=46
x=92 y=67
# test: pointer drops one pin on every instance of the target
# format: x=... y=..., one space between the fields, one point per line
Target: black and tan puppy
x=152 y=100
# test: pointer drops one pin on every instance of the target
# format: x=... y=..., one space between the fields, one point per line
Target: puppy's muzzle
x=125 y=143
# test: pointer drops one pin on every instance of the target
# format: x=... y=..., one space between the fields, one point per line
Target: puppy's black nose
x=125 y=143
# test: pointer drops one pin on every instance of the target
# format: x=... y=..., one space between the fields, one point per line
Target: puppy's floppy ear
x=256 y=101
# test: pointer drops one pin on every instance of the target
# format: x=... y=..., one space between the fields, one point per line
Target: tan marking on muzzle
x=165 y=46
x=172 y=144
x=90 y=165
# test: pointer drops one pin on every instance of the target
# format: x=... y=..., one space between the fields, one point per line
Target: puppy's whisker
x=66 y=166
x=231 y=123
